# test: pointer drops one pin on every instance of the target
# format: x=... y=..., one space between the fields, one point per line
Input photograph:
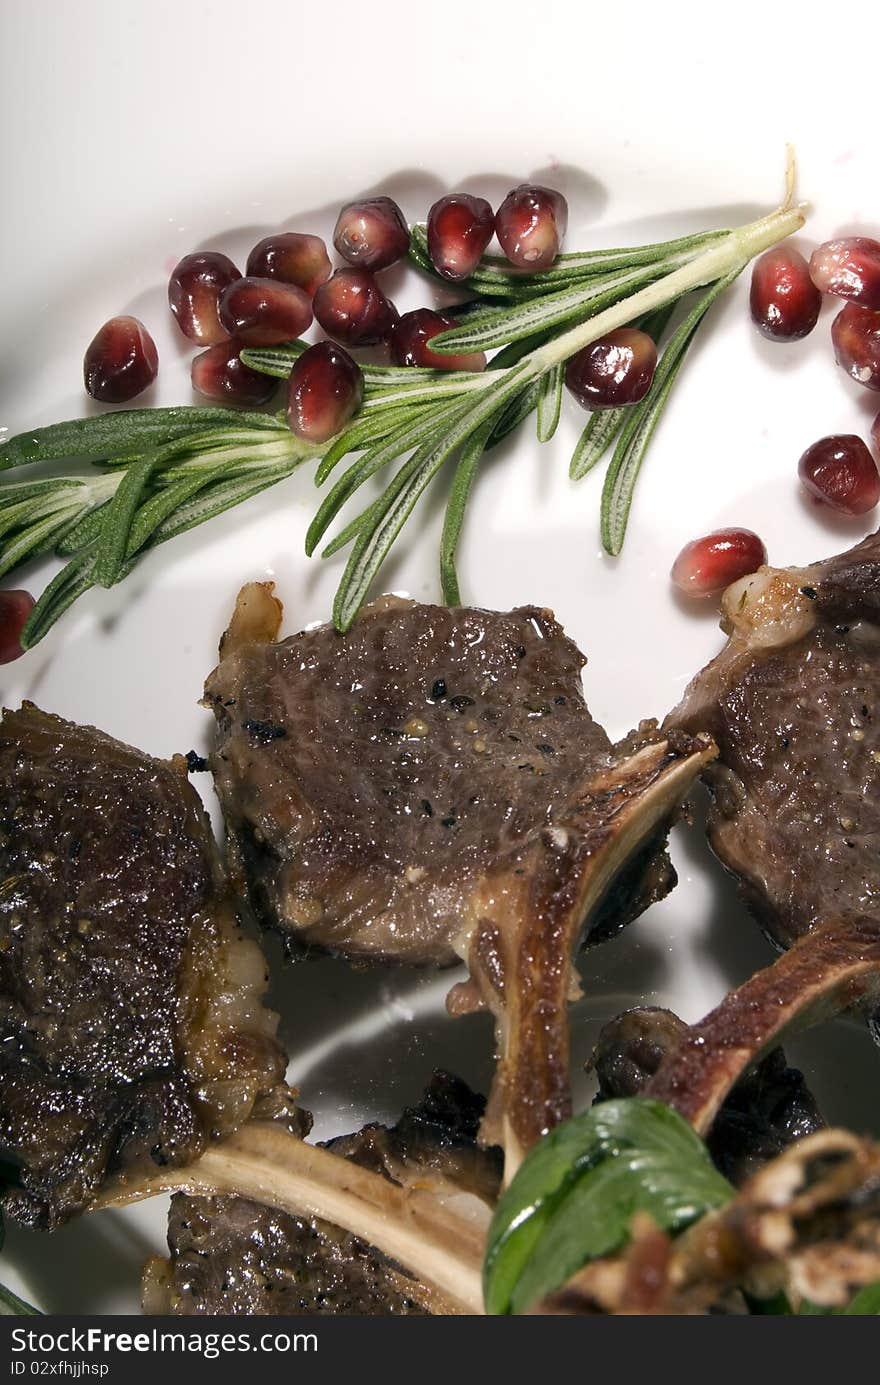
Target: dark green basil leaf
x=575 y=1194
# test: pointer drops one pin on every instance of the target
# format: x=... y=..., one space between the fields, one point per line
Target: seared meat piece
x=833 y=968
x=431 y=786
x=231 y=1255
x=807 y=1224
x=792 y=702
x=131 y=1024
x=768 y=1109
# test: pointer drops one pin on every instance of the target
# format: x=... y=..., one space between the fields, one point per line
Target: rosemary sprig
x=161 y=472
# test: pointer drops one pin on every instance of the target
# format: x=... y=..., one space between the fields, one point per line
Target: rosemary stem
x=732 y=253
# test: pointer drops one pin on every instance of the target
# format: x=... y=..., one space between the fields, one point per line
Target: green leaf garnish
x=574 y=1196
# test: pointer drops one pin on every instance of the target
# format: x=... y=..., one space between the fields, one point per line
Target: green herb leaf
x=126 y=433
x=459 y=494
x=574 y=1196
x=550 y=402
x=623 y=473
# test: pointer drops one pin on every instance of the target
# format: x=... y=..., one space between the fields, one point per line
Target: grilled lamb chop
x=431 y=786
x=231 y=1255
x=792 y=702
x=768 y=1109
x=131 y=1023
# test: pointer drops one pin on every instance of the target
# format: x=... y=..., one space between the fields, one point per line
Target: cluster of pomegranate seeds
x=325 y=388
x=530 y=225
x=840 y=472
x=613 y=371
x=194 y=291
x=708 y=565
x=459 y=229
x=855 y=334
x=413 y=331
x=265 y=312
x=293 y=258
x=120 y=362
x=220 y=374
x=784 y=301
x=849 y=268
x=351 y=307
x=15 y=607
x=371 y=234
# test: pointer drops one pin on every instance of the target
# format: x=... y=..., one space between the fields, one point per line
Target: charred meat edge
x=524 y=976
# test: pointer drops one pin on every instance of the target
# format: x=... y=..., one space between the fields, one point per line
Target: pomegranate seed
x=409 y=342
x=459 y=229
x=194 y=291
x=841 y=472
x=849 y=268
x=121 y=361
x=325 y=388
x=220 y=374
x=371 y=234
x=855 y=333
x=264 y=312
x=352 y=308
x=615 y=370
x=875 y=435
x=293 y=258
x=15 y=607
x=710 y=564
x=530 y=225
x=785 y=302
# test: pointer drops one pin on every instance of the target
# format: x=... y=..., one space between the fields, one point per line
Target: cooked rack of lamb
x=431 y=787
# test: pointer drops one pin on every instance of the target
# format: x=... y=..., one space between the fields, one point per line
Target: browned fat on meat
x=792 y=702
x=232 y=1255
x=131 y=1022
x=431 y=786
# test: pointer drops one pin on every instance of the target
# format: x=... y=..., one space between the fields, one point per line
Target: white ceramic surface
x=132 y=133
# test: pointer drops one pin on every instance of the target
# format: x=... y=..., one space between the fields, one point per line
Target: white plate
x=132 y=134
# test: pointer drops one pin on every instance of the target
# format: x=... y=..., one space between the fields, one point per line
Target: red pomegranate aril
x=459 y=229
x=409 y=342
x=371 y=234
x=220 y=374
x=841 y=472
x=292 y=258
x=15 y=607
x=849 y=268
x=120 y=362
x=784 y=301
x=352 y=308
x=325 y=388
x=613 y=371
x=710 y=564
x=530 y=225
x=264 y=312
x=194 y=292
x=855 y=333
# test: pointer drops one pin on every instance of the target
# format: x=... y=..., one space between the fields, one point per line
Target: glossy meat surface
x=130 y=1012
x=371 y=781
x=792 y=703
